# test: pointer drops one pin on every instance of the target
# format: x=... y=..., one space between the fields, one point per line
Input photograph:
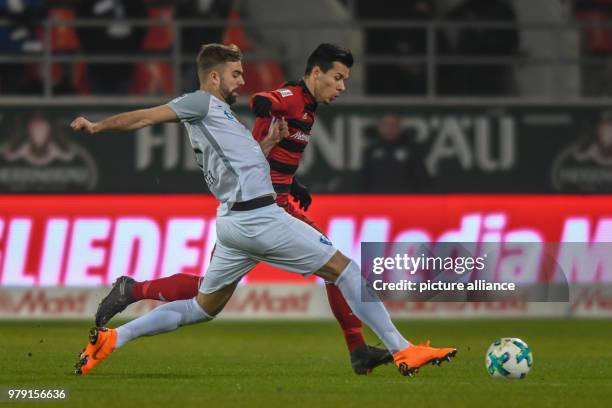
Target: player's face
x=231 y=81
x=329 y=85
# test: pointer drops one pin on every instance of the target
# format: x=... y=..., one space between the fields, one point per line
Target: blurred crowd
x=459 y=41
x=23 y=35
x=121 y=36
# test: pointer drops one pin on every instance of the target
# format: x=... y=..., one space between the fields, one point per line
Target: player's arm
x=189 y=107
x=277 y=131
x=267 y=106
x=127 y=121
x=272 y=103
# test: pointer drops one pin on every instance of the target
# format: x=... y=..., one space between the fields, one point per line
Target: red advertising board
x=89 y=240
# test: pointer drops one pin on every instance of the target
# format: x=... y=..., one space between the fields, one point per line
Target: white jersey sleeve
x=192 y=106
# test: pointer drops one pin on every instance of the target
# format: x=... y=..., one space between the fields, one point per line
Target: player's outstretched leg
x=165 y=318
x=126 y=291
x=408 y=357
x=364 y=358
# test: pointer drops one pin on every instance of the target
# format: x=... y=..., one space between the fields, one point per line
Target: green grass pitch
x=265 y=364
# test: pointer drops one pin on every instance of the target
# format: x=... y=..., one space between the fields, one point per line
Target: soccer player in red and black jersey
x=327 y=69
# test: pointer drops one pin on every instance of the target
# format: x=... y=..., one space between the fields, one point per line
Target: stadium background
x=454 y=109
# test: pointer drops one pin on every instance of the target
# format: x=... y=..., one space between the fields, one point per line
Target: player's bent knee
x=194 y=313
x=213 y=303
x=334 y=267
x=208 y=305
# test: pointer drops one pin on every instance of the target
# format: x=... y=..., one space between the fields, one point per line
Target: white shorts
x=266 y=234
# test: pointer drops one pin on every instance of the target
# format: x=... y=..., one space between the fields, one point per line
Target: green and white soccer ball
x=509 y=358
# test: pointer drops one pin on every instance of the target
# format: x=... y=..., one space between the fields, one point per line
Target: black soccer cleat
x=116 y=301
x=366 y=358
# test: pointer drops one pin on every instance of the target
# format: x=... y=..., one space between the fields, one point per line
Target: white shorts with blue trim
x=267 y=234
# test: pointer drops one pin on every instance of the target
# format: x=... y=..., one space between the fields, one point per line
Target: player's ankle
x=137 y=292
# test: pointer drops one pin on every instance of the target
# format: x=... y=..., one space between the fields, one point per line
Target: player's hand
x=300 y=194
x=81 y=124
x=283 y=129
x=278 y=130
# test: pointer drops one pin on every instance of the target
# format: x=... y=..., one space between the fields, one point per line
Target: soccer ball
x=508 y=358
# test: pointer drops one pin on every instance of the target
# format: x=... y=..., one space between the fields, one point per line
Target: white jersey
x=235 y=169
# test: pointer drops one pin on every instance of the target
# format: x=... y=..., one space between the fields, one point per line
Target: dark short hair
x=212 y=55
x=326 y=54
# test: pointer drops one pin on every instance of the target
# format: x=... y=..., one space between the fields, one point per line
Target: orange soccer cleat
x=410 y=359
x=101 y=344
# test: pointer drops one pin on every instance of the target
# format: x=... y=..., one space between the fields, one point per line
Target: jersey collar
x=311 y=105
x=220 y=102
x=307 y=92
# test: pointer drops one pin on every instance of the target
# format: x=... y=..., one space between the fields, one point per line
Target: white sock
x=164 y=318
x=372 y=313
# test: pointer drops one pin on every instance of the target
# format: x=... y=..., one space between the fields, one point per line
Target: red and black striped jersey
x=294 y=102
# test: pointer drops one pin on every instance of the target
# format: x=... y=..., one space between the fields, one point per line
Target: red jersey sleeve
x=261 y=126
x=281 y=100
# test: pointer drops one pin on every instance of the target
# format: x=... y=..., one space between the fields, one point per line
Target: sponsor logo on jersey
x=285 y=92
x=209 y=178
x=325 y=240
x=228 y=115
x=300 y=136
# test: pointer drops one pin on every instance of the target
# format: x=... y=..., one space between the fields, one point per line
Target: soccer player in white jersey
x=251 y=228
